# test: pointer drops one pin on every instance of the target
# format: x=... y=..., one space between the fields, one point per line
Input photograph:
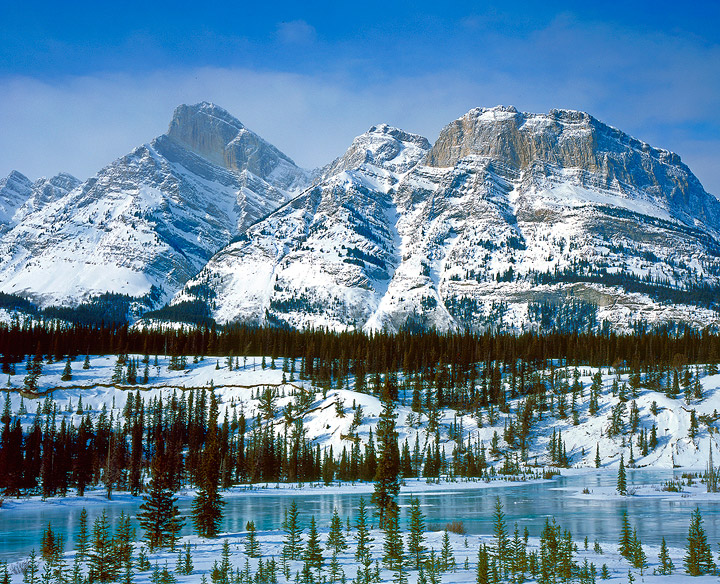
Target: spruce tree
x=336 y=538
x=621 y=478
x=47 y=543
x=666 y=564
x=639 y=559
x=67 y=372
x=292 y=545
x=447 y=558
x=393 y=544
x=31 y=569
x=482 y=575
x=416 y=536
x=698 y=555
x=502 y=542
x=159 y=514
x=335 y=571
x=597 y=455
x=387 y=483
x=313 y=552
x=102 y=560
x=252 y=546
x=207 y=505
x=625 y=542
x=362 y=552
x=124 y=536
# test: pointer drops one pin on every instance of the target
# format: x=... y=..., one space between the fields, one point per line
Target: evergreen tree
x=292 y=545
x=31 y=569
x=336 y=538
x=625 y=542
x=447 y=558
x=188 y=563
x=666 y=564
x=698 y=555
x=362 y=551
x=483 y=566
x=124 y=536
x=519 y=556
x=252 y=546
x=621 y=477
x=502 y=542
x=335 y=571
x=597 y=455
x=387 y=483
x=83 y=536
x=159 y=514
x=102 y=559
x=67 y=372
x=34 y=371
x=313 y=552
x=207 y=505
x=416 y=549
x=393 y=544
x=47 y=544
x=639 y=559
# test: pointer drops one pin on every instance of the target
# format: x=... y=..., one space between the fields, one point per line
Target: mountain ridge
x=502 y=202
x=142 y=225
x=509 y=221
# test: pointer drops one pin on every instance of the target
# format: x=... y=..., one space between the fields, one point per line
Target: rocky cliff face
x=563 y=139
x=212 y=133
x=150 y=220
x=510 y=221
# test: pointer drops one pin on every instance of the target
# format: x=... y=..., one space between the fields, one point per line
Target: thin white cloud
x=296 y=32
x=661 y=89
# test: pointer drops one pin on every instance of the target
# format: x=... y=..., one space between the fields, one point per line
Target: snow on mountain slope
x=325 y=258
x=15 y=189
x=510 y=221
x=150 y=220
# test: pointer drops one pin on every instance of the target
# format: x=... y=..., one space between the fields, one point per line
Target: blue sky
x=81 y=83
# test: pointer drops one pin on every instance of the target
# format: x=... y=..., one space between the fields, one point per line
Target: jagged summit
x=384 y=147
x=569 y=138
x=15 y=189
x=211 y=132
x=148 y=221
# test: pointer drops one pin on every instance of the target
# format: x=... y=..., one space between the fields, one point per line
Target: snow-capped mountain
x=20 y=197
x=511 y=220
x=323 y=258
x=147 y=222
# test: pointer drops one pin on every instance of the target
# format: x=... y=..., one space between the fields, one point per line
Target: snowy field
x=240 y=386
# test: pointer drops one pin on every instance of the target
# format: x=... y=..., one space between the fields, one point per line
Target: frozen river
x=596 y=516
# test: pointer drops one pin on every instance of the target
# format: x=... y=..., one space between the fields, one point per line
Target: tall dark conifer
x=387 y=482
x=207 y=505
x=159 y=514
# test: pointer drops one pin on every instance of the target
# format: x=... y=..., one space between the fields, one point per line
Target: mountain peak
x=382 y=146
x=205 y=129
x=15 y=177
x=211 y=132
